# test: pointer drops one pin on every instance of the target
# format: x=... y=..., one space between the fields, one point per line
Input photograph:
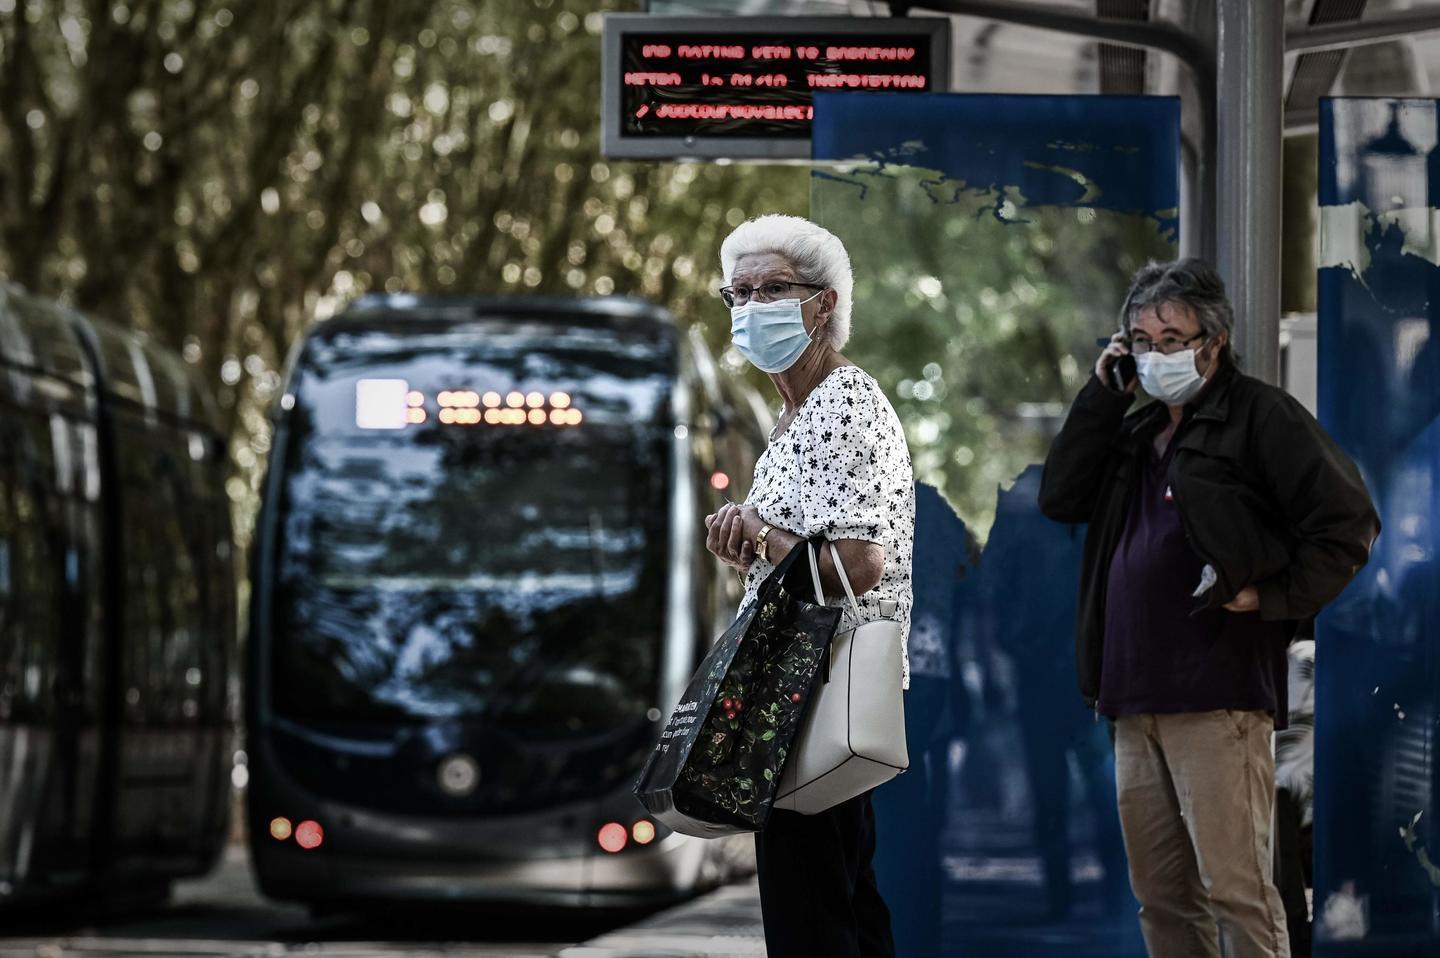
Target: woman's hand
x=730 y=534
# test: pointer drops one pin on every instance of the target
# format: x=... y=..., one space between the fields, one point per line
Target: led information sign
x=392 y=404
x=741 y=87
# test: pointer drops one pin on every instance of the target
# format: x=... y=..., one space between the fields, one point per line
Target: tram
x=478 y=588
x=117 y=611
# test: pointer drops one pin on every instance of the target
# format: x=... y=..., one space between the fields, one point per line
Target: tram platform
x=723 y=924
x=993 y=901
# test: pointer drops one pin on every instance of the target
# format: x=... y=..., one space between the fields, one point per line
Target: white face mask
x=1172 y=379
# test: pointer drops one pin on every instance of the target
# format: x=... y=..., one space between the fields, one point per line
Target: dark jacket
x=1264 y=494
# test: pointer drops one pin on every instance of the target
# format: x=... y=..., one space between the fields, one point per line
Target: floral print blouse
x=842 y=467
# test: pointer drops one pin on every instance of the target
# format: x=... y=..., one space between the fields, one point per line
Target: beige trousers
x=1196 y=793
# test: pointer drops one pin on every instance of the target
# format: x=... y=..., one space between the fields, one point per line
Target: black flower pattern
x=737 y=758
x=851 y=483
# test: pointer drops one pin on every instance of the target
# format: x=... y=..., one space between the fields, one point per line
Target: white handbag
x=853 y=735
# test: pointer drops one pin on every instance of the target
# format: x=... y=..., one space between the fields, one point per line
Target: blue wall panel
x=1377 y=890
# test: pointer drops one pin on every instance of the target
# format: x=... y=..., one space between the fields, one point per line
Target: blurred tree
x=220 y=173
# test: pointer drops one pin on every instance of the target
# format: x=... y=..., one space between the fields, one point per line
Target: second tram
x=117 y=611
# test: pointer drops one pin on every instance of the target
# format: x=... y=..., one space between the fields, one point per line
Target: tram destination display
x=742 y=87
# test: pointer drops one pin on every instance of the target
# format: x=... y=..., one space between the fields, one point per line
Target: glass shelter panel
x=1377 y=884
x=992 y=239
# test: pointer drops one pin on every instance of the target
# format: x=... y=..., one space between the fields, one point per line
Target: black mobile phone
x=1123 y=372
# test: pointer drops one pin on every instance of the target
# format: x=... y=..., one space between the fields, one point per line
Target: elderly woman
x=837 y=463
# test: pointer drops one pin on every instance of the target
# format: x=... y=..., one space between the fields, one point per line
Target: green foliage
x=978 y=317
x=220 y=174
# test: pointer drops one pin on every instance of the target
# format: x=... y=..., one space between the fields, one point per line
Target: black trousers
x=817 y=888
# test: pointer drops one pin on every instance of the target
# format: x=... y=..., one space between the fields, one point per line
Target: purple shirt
x=1158 y=657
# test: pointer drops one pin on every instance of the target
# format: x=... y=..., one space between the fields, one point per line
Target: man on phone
x=1219 y=516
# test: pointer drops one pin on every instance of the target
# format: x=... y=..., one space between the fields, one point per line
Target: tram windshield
x=472 y=525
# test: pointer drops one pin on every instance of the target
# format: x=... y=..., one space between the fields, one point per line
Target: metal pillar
x=1250 y=42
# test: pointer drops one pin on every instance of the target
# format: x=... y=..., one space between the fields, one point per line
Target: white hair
x=815 y=253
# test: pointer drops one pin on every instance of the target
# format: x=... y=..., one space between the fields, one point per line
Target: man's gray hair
x=1191 y=282
x=815 y=253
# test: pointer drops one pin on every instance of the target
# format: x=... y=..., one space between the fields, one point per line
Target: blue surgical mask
x=771 y=336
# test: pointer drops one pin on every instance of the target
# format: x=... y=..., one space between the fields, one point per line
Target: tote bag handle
x=844 y=581
x=783 y=569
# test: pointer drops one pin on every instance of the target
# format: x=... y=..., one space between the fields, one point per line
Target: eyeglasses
x=739 y=295
x=1140 y=346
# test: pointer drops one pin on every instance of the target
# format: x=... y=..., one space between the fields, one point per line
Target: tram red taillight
x=613 y=837
x=309 y=834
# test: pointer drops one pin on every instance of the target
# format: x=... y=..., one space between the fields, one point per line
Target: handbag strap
x=844 y=581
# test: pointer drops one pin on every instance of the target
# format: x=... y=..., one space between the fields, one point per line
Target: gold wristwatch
x=762 y=549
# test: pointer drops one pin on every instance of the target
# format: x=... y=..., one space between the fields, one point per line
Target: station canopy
x=990 y=56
